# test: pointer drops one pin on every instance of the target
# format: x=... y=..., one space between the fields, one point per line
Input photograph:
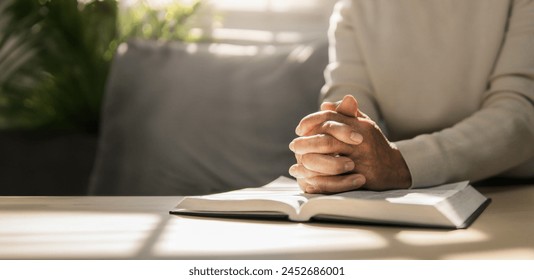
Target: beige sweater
x=452 y=81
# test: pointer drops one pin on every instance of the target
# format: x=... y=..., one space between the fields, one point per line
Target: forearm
x=491 y=141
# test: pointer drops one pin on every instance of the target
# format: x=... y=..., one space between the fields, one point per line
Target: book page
x=283 y=190
x=424 y=196
x=438 y=206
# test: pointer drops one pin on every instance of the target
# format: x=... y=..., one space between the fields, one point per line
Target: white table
x=141 y=228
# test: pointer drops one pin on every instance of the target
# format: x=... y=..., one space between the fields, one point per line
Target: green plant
x=168 y=23
x=69 y=48
x=55 y=56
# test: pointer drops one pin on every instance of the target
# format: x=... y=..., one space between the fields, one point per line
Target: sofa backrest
x=189 y=119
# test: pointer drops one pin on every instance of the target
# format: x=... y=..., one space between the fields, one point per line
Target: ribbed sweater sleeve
x=500 y=135
x=491 y=140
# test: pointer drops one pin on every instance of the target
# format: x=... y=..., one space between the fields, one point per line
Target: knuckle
x=307 y=160
x=336 y=129
x=331 y=185
x=306 y=173
x=302 y=184
x=315 y=184
x=368 y=123
x=330 y=115
x=328 y=126
x=309 y=117
x=339 y=166
x=318 y=188
x=316 y=164
x=326 y=115
x=300 y=144
x=329 y=141
x=333 y=145
x=356 y=181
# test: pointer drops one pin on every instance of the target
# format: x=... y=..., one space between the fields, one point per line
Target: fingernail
x=349 y=166
x=356 y=137
x=292 y=146
x=359 y=181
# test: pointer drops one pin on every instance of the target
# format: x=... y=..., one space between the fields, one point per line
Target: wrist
x=402 y=175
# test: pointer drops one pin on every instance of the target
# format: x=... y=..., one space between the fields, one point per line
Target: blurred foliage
x=168 y=23
x=55 y=56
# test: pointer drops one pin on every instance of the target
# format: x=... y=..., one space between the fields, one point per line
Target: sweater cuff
x=423 y=161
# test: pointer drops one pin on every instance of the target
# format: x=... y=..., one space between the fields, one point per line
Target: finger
x=303 y=184
x=299 y=172
x=318 y=118
x=298 y=157
x=348 y=106
x=333 y=184
x=328 y=106
x=327 y=164
x=340 y=131
x=319 y=144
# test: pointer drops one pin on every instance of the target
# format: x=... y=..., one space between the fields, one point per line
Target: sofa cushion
x=188 y=119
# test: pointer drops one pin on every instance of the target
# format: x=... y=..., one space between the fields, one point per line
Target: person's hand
x=341 y=149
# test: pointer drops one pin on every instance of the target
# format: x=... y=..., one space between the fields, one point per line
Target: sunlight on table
x=256 y=238
x=432 y=238
x=503 y=254
x=71 y=234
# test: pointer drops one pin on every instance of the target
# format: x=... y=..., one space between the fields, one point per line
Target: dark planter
x=45 y=162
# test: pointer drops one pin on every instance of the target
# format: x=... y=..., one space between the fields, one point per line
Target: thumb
x=348 y=106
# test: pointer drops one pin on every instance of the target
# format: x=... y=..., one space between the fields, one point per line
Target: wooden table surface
x=141 y=228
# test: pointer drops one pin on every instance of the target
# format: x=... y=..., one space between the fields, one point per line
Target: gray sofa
x=185 y=119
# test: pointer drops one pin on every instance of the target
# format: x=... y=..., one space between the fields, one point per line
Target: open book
x=450 y=206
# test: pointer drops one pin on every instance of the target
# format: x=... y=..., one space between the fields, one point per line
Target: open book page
x=414 y=207
x=450 y=205
x=281 y=195
x=424 y=196
x=282 y=189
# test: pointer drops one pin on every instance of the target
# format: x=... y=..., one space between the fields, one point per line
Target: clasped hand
x=340 y=149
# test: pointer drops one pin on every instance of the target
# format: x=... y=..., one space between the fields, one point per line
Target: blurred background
x=55 y=56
